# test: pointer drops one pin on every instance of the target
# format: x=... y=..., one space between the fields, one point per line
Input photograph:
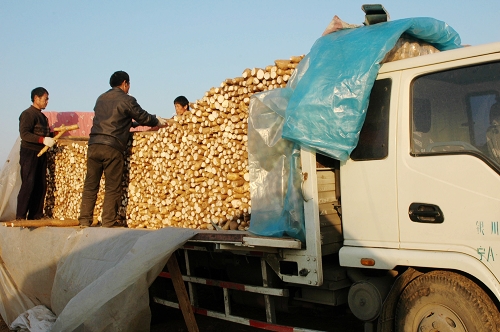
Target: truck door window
x=480 y=106
x=453 y=112
x=374 y=135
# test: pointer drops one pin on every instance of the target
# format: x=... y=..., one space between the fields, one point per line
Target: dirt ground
x=175 y=323
x=3 y=326
x=336 y=319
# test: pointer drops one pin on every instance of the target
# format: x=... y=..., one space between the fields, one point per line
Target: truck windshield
x=458 y=111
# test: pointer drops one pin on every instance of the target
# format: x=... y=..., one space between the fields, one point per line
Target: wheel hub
x=441 y=319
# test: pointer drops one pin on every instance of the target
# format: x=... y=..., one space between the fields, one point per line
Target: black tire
x=445 y=301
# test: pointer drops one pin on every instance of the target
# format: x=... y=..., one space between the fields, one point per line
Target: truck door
x=368 y=178
x=448 y=165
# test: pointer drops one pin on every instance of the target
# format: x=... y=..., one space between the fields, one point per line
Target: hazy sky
x=173 y=48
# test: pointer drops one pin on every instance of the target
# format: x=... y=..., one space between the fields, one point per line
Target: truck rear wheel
x=445 y=301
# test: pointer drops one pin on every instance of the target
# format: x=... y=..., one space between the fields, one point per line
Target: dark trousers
x=102 y=159
x=33 y=185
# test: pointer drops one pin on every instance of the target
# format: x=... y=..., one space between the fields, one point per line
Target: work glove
x=49 y=141
x=161 y=121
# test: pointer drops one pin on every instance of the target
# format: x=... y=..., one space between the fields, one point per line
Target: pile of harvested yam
x=192 y=174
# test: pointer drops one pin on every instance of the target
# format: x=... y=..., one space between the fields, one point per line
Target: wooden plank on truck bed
x=45 y=222
x=219 y=236
x=247 y=239
x=274 y=242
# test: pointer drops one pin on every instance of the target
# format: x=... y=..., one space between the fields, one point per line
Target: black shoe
x=90 y=224
x=115 y=224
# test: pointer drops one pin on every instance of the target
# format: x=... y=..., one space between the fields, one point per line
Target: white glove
x=49 y=141
x=161 y=121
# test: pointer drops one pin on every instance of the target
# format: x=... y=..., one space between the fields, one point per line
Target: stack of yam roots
x=192 y=173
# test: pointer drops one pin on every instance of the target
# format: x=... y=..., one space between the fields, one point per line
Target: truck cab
x=421 y=189
x=425 y=175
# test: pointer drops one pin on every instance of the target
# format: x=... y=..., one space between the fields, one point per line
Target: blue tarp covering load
x=323 y=107
x=327 y=108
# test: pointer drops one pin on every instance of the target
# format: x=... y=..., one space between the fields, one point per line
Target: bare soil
x=3 y=326
x=337 y=320
x=175 y=323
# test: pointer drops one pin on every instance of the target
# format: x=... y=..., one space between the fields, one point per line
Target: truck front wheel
x=445 y=301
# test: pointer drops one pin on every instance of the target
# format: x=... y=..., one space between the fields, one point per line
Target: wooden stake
x=182 y=295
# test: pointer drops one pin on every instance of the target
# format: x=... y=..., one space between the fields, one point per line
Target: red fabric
x=83 y=119
x=144 y=128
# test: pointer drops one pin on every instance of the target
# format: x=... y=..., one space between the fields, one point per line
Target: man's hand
x=49 y=141
x=162 y=122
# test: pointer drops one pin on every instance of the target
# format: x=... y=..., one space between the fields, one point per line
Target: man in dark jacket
x=114 y=112
x=35 y=134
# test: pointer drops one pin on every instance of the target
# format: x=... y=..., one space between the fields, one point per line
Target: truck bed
x=328 y=201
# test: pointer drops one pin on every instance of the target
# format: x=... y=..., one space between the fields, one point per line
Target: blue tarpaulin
x=323 y=107
x=327 y=108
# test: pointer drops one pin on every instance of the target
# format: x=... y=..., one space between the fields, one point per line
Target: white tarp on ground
x=93 y=279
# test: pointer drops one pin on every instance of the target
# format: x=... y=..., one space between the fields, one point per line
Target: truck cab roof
x=440 y=57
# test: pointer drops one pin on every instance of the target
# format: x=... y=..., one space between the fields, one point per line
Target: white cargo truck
x=406 y=231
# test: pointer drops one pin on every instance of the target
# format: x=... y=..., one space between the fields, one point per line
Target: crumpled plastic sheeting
x=274 y=164
x=36 y=319
x=107 y=287
x=10 y=183
x=327 y=108
x=12 y=300
x=93 y=279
